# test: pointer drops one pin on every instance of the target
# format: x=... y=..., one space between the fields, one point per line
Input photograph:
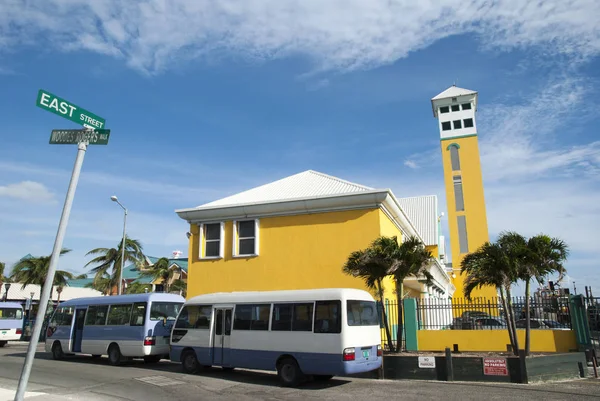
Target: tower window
x=458 y=193
x=466 y=106
x=444 y=109
x=446 y=126
x=454 y=159
x=462 y=234
x=455 y=107
x=468 y=122
x=457 y=124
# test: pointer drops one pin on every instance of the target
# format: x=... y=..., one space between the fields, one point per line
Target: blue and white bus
x=121 y=326
x=11 y=322
x=320 y=333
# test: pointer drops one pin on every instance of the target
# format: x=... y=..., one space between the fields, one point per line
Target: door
x=222 y=336
x=78 y=329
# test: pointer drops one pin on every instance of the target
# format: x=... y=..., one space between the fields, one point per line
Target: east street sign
x=75 y=136
x=68 y=110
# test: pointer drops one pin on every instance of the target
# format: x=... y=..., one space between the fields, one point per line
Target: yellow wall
x=296 y=252
x=474 y=200
x=495 y=340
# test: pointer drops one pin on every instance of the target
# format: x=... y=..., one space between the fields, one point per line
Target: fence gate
x=592 y=306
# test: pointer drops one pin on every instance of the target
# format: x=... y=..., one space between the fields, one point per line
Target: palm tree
x=59 y=291
x=2 y=277
x=108 y=260
x=371 y=266
x=35 y=271
x=410 y=258
x=490 y=265
x=104 y=284
x=138 y=288
x=543 y=256
x=180 y=286
x=160 y=270
x=81 y=276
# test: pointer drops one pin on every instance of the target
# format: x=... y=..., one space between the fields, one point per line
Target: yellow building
x=467 y=221
x=297 y=232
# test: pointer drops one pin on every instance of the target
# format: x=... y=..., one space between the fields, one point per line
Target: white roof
x=454 y=91
x=308 y=184
x=422 y=212
x=16 y=293
x=281 y=296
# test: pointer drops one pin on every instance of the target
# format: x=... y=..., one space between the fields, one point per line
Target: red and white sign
x=495 y=367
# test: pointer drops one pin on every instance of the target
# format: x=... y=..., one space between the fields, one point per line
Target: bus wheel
x=57 y=352
x=322 y=378
x=289 y=372
x=152 y=358
x=114 y=355
x=189 y=362
x=2 y=344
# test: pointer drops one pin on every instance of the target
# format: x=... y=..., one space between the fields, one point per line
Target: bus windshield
x=362 y=313
x=161 y=310
x=11 y=313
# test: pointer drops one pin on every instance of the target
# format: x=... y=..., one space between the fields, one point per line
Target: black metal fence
x=546 y=312
x=592 y=305
x=391 y=313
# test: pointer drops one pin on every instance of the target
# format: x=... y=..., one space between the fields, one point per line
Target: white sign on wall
x=427 y=362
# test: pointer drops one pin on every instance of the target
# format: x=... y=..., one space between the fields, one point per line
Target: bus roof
x=13 y=305
x=113 y=299
x=282 y=296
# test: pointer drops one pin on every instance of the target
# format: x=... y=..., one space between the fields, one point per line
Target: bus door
x=221 y=337
x=78 y=329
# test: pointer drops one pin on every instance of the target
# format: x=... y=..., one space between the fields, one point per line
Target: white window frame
x=235 y=242
x=202 y=256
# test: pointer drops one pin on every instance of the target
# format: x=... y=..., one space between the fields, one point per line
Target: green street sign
x=68 y=110
x=74 y=136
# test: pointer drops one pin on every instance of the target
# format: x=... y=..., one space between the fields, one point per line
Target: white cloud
x=337 y=34
x=29 y=191
x=411 y=164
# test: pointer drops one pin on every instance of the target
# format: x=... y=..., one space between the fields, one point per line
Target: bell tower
x=467 y=221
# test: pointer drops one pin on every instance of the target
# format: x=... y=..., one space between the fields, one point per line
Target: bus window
x=138 y=315
x=282 y=317
x=119 y=315
x=161 y=310
x=194 y=317
x=327 y=317
x=11 y=313
x=96 y=315
x=303 y=317
x=62 y=317
x=252 y=317
x=362 y=313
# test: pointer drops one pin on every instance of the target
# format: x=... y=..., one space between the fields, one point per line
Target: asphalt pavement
x=84 y=378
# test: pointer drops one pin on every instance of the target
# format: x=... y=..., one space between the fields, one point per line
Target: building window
x=444 y=109
x=468 y=122
x=455 y=107
x=462 y=234
x=211 y=240
x=458 y=193
x=466 y=106
x=454 y=159
x=245 y=238
x=457 y=124
x=446 y=126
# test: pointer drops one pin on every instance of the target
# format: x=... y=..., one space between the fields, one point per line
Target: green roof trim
x=457 y=137
x=456 y=145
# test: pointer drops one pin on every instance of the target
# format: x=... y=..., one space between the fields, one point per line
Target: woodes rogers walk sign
x=68 y=110
x=74 y=136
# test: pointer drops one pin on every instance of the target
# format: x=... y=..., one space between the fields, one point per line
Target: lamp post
x=6 y=287
x=115 y=199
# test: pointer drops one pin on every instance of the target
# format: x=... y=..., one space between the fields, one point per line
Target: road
x=82 y=378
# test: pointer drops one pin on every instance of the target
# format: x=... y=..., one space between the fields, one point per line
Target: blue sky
x=207 y=100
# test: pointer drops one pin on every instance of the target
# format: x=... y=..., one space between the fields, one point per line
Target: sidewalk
x=9 y=395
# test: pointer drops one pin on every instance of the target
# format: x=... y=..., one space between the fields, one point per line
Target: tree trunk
x=527 y=317
x=508 y=322
x=400 y=328
x=512 y=321
x=384 y=316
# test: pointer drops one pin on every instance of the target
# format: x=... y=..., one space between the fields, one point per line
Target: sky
x=206 y=99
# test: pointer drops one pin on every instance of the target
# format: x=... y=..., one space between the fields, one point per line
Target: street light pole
x=115 y=199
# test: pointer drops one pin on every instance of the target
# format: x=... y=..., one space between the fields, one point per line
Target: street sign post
x=68 y=110
x=75 y=136
x=82 y=138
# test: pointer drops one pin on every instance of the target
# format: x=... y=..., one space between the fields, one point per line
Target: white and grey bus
x=299 y=333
